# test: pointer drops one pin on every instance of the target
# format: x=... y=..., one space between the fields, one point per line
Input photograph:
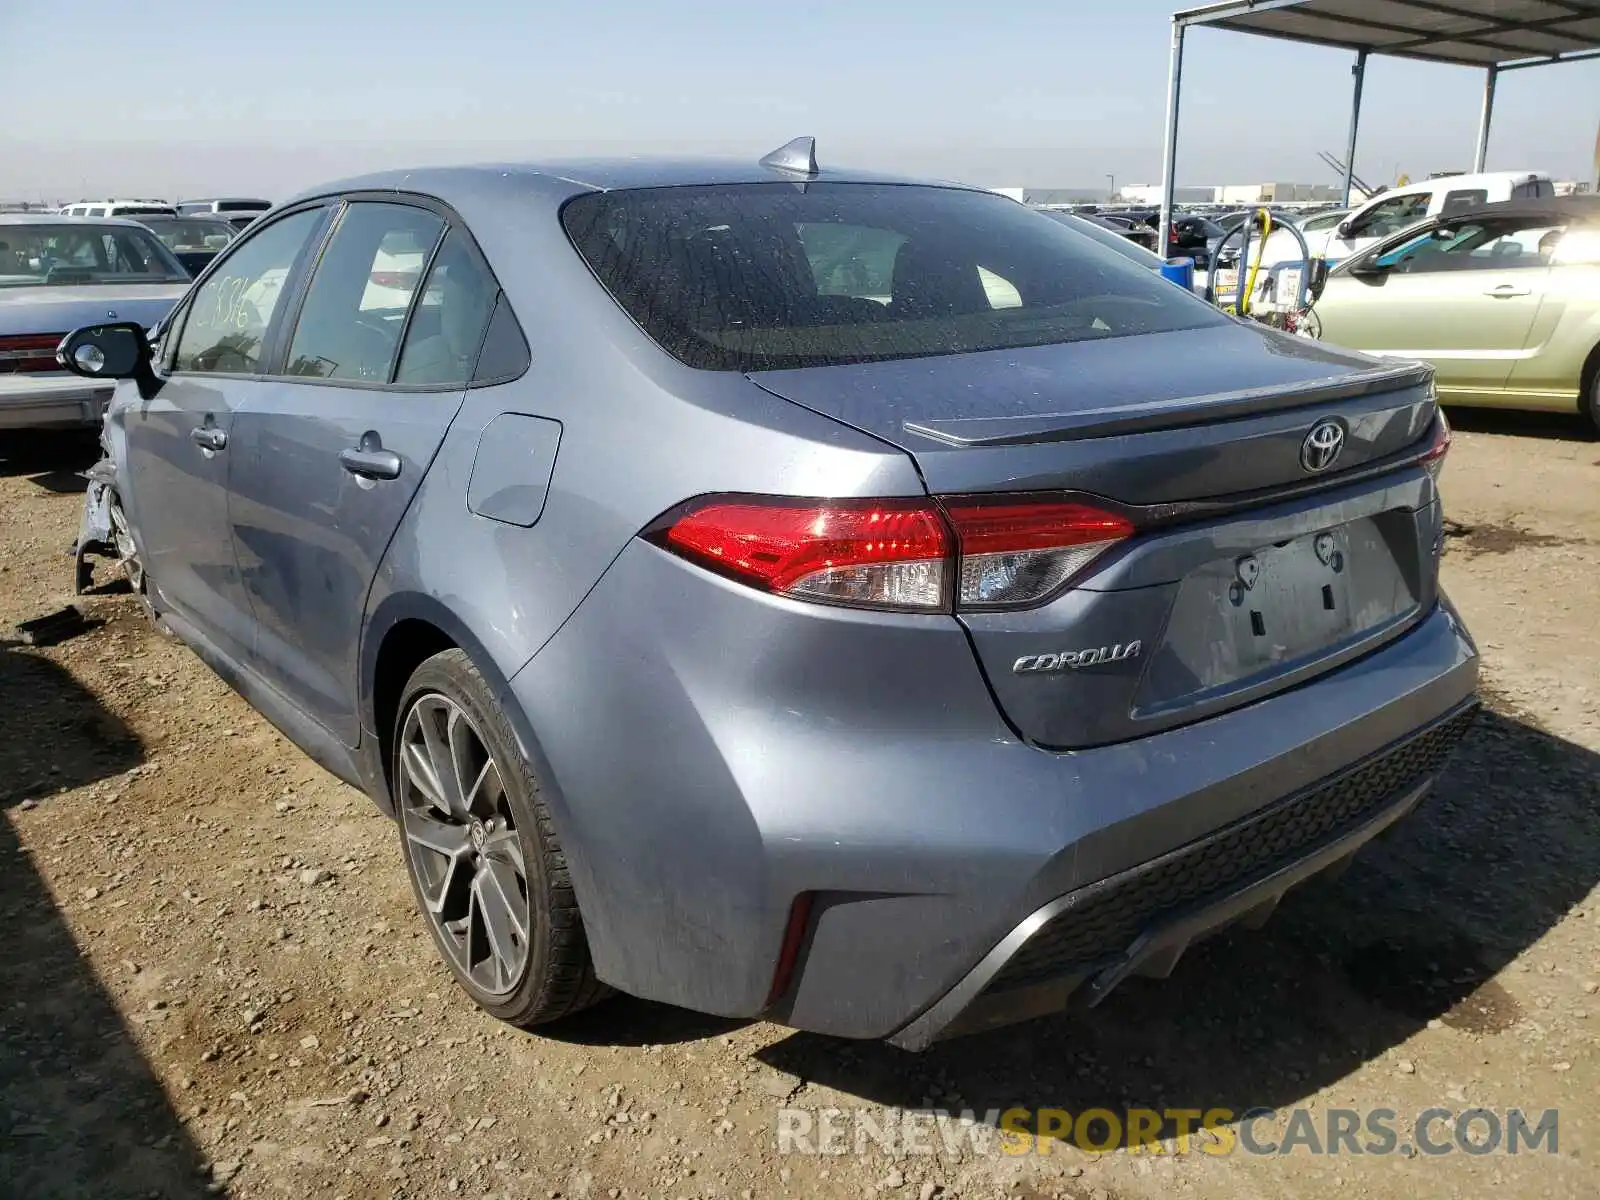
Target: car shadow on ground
x=1506 y=422
x=1348 y=968
x=82 y=1114
x=52 y=458
x=628 y=1021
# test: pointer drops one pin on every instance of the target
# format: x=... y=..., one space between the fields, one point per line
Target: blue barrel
x=1180 y=271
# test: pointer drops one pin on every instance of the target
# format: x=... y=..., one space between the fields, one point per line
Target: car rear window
x=768 y=276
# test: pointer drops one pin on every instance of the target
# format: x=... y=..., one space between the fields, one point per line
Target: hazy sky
x=167 y=98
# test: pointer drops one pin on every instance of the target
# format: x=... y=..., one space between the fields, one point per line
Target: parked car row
x=238 y=211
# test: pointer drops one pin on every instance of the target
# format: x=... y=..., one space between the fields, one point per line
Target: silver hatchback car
x=864 y=604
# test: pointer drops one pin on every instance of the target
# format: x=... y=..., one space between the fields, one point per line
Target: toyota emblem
x=1322 y=446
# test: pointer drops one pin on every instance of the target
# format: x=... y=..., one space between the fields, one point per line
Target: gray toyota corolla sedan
x=863 y=604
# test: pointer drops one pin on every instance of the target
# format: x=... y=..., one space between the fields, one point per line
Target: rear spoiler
x=1168 y=414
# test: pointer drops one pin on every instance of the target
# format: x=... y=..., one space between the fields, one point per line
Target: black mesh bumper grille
x=1111 y=916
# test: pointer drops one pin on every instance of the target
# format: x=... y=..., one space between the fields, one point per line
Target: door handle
x=370 y=462
x=209 y=437
x=1507 y=290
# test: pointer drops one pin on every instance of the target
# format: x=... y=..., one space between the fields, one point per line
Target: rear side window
x=767 y=276
x=355 y=310
x=447 y=325
x=1460 y=201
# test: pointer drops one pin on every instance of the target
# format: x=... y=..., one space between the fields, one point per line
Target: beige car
x=1504 y=300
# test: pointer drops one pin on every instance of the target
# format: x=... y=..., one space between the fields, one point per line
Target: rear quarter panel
x=1564 y=335
x=640 y=434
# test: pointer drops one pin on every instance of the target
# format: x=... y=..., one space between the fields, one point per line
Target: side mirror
x=1345 y=229
x=117 y=351
x=1319 y=278
x=1368 y=270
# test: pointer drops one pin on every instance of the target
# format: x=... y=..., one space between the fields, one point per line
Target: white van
x=1391 y=211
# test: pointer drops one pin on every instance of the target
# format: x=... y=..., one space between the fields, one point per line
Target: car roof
x=224 y=200
x=58 y=219
x=1555 y=208
x=571 y=177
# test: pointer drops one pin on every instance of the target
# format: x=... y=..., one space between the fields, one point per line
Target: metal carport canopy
x=1494 y=35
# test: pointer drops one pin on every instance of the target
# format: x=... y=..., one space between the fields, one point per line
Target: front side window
x=1392 y=215
x=1473 y=246
x=447 y=327
x=51 y=255
x=355 y=309
x=766 y=276
x=229 y=313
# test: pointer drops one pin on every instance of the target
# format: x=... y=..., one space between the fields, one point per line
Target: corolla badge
x=1072 y=660
x=1322 y=446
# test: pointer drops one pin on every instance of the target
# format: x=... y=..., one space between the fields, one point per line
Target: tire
x=1590 y=402
x=486 y=867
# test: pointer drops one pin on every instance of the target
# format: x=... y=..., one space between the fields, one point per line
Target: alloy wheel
x=464 y=847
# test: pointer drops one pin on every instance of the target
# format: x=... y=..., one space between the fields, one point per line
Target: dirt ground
x=212 y=980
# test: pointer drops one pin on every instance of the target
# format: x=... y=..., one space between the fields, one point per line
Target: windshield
x=767 y=276
x=58 y=255
x=189 y=234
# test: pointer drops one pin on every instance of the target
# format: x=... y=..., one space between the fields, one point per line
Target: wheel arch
x=402 y=632
x=1588 y=380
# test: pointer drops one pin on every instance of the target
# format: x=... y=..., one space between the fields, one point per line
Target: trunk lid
x=1162 y=417
x=1251 y=572
x=62 y=309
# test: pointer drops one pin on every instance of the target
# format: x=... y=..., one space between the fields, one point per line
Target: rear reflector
x=909 y=555
x=789 y=953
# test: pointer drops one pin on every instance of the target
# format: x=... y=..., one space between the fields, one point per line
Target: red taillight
x=30 y=352
x=975 y=551
x=403 y=280
x=1016 y=550
x=879 y=553
x=1432 y=459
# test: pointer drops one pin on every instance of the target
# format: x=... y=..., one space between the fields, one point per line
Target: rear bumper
x=51 y=402
x=1141 y=921
x=710 y=754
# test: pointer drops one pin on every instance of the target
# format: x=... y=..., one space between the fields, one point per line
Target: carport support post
x=1168 y=180
x=1359 y=73
x=1489 y=81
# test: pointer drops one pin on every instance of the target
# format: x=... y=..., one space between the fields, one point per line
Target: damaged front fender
x=96 y=533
